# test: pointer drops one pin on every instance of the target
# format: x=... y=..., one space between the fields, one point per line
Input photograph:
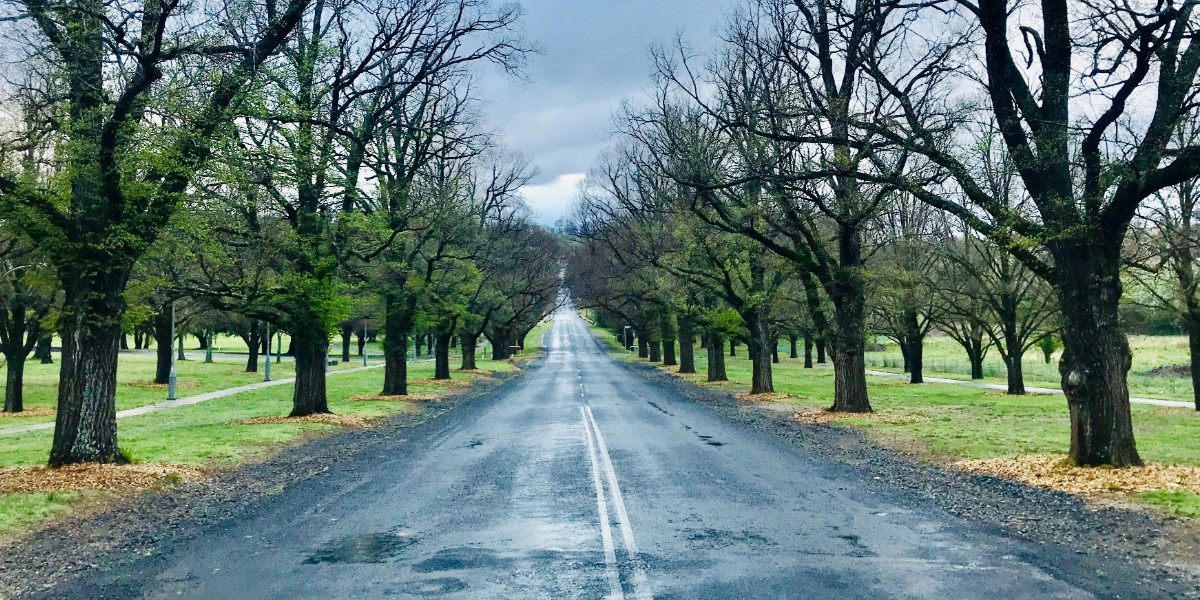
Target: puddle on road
x=455 y=559
x=363 y=549
x=433 y=587
x=721 y=537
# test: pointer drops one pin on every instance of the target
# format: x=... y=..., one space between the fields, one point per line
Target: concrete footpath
x=1031 y=390
x=188 y=401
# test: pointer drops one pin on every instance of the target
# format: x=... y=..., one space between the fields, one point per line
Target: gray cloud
x=595 y=55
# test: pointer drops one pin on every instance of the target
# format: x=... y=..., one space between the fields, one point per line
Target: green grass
x=19 y=512
x=1184 y=504
x=945 y=358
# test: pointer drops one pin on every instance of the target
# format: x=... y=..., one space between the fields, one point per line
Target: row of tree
x=815 y=156
x=309 y=165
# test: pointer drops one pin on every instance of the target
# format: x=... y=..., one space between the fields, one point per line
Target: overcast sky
x=595 y=53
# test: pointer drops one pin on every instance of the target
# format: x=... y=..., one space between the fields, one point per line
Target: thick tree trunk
x=655 y=351
x=793 y=350
x=397 y=323
x=311 y=343
x=808 y=352
x=669 y=359
x=775 y=351
x=716 y=358
x=162 y=345
x=1194 y=354
x=252 y=345
x=181 y=355
x=124 y=341
x=468 y=343
x=1096 y=357
x=362 y=341
x=732 y=347
x=347 y=333
x=441 y=356
x=849 y=369
x=643 y=346
x=418 y=343
x=202 y=338
x=85 y=427
x=14 y=391
x=821 y=347
x=759 y=349
x=687 y=352
x=44 y=353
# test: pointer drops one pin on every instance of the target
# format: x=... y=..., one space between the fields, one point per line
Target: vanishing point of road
x=581 y=480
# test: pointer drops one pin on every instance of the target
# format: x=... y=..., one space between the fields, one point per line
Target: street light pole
x=171 y=376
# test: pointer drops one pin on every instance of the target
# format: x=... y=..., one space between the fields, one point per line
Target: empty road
x=579 y=480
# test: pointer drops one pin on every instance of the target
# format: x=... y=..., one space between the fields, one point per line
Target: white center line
x=638 y=576
x=610 y=555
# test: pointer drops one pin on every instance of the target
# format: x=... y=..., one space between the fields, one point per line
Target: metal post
x=171 y=377
x=364 y=346
x=268 y=373
x=278 y=347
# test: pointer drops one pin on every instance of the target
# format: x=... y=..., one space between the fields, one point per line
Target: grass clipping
x=95 y=476
x=322 y=419
x=1053 y=472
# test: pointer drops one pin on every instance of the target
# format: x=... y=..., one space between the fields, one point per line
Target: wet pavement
x=580 y=480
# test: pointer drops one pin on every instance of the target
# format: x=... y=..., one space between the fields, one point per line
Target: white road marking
x=638 y=580
x=610 y=555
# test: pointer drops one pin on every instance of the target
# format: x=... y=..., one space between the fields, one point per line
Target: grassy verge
x=204 y=434
x=948 y=423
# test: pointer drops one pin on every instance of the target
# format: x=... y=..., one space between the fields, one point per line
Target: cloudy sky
x=595 y=53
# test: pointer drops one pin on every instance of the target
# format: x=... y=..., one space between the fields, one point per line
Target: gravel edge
x=1112 y=551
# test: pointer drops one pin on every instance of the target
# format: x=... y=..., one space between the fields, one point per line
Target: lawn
x=946 y=423
x=202 y=434
x=945 y=358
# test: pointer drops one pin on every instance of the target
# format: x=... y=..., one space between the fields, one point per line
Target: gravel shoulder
x=1115 y=551
x=115 y=539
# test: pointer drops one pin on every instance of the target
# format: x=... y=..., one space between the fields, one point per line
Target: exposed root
x=96 y=476
x=1053 y=472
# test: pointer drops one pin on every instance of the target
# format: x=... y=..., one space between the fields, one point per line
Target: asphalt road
x=579 y=480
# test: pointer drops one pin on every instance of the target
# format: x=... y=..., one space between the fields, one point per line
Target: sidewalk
x=188 y=401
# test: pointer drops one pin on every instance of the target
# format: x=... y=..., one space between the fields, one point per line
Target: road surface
x=579 y=480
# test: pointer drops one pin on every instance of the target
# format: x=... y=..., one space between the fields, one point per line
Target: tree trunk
x=732 y=346
x=418 y=342
x=821 y=350
x=181 y=356
x=1096 y=357
x=362 y=341
x=162 y=345
x=655 y=351
x=468 y=342
x=849 y=369
x=14 y=392
x=643 y=346
x=916 y=347
x=203 y=339
x=397 y=322
x=716 y=358
x=347 y=333
x=759 y=349
x=44 y=352
x=441 y=354
x=85 y=428
x=775 y=351
x=808 y=351
x=669 y=353
x=124 y=341
x=793 y=350
x=687 y=352
x=1194 y=352
x=311 y=344
x=252 y=345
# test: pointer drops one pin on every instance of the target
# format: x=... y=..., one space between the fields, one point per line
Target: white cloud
x=550 y=201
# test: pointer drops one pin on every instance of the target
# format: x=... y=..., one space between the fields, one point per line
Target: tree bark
x=916 y=347
x=1194 y=354
x=643 y=346
x=397 y=323
x=441 y=355
x=181 y=356
x=14 y=391
x=85 y=427
x=252 y=345
x=44 y=353
x=311 y=344
x=793 y=351
x=732 y=346
x=468 y=343
x=687 y=352
x=759 y=349
x=347 y=333
x=1096 y=357
x=821 y=347
x=655 y=351
x=808 y=352
x=716 y=358
x=849 y=368
x=362 y=341
x=162 y=345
